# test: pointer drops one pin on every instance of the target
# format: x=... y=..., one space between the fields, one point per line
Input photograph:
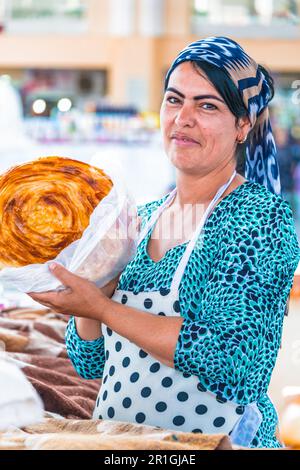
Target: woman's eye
x=172 y=100
x=208 y=106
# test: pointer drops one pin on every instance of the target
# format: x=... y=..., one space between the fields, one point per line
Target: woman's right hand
x=90 y=330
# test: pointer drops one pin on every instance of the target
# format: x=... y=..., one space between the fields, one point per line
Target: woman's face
x=199 y=130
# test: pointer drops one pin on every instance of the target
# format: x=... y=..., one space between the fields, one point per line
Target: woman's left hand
x=81 y=298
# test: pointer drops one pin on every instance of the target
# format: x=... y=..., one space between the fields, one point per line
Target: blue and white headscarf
x=261 y=162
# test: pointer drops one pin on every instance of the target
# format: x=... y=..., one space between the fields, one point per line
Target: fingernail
x=52 y=266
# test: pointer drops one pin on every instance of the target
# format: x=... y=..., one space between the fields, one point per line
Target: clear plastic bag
x=107 y=245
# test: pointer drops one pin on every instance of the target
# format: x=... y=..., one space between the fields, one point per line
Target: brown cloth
x=60 y=388
x=36 y=339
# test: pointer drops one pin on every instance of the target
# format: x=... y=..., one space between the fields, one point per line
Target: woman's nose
x=185 y=117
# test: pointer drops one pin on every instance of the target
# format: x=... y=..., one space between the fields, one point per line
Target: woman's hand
x=81 y=298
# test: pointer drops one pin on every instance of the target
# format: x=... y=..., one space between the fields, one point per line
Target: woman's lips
x=184 y=142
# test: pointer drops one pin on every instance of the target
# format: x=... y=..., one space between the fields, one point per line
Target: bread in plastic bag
x=106 y=246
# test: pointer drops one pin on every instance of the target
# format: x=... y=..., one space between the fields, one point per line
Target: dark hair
x=225 y=87
x=230 y=94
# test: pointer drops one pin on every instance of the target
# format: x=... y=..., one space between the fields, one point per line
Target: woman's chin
x=183 y=163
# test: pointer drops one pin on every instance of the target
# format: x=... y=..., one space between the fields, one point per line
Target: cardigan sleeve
x=87 y=357
x=242 y=308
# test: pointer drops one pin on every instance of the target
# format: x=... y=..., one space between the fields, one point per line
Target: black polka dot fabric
x=146 y=392
x=141 y=389
x=182 y=396
x=127 y=402
x=232 y=297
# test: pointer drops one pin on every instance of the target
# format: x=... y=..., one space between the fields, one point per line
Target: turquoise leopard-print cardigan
x=233 y=296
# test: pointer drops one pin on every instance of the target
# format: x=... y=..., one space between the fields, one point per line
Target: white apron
x=137 y=388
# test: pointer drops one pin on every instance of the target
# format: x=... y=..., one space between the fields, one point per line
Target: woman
x=191 y=334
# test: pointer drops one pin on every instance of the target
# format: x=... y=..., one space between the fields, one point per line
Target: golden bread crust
x=45 y=205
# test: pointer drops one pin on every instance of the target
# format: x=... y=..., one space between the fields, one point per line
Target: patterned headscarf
x=261 y=163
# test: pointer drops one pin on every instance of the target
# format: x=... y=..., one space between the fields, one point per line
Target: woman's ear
x=244 y=127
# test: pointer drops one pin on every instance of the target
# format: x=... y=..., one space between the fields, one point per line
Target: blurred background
x=84 y=79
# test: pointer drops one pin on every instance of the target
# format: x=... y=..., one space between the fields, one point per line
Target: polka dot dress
x=250 y=227
x=138 y=388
